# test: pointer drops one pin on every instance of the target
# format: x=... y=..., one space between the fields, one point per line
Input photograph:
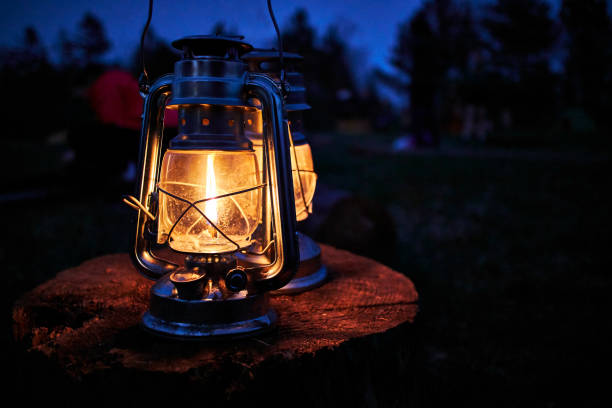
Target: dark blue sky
x=372 y=24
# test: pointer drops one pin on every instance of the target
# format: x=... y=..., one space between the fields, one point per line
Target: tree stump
x=350 y=341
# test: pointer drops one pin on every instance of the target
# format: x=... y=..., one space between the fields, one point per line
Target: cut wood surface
x=351 y=340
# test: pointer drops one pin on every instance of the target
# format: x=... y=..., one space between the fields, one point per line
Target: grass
x=510 y=256
x=511 y=260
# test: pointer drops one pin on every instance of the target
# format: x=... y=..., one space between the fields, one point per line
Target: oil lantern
x=311 y=272
x=216 y=224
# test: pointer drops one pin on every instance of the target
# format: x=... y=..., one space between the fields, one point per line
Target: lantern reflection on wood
x=312 y=272
x=231 y=219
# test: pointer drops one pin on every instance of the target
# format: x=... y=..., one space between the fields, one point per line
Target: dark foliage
x=87 y=45
x=26 y=72
x=500 y=58
x=159 y=57
x=432 y=48
x=301 y=38
x=328 y=70
x=522 y=35
x=588 y=66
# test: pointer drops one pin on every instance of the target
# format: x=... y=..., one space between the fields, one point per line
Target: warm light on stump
x=350 y=341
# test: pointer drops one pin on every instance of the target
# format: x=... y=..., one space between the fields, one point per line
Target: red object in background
x=171 y=118
x=115 y=99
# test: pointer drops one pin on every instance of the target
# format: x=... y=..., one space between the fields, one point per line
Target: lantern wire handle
x=143 y=81
x=137 y=205
x=262 y=252
x=280 y=46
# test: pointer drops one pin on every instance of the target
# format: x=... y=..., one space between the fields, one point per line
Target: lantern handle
x=276 y=139
x=137 y=205
x=151 y=136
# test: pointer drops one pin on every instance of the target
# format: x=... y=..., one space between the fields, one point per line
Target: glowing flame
x=210 y=207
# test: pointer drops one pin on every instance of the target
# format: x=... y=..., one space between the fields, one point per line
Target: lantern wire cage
x=308 y=207
x=194 y=205
x=137 y=205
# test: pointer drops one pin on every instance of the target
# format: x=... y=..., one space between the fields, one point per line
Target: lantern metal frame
x=210 y=72
x=312 y=272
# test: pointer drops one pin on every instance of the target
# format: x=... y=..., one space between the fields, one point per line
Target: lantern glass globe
x=304 y=180
x=191 y=176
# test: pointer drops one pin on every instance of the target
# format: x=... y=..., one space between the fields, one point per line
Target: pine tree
x=159 y=57
x=431 y=47
x=523 y=34
x=91 y=39
x=588 y=66
x=301 y=35
x=326 y=68
x=522 y=38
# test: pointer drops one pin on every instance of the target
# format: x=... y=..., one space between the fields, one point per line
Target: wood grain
x=328 y=345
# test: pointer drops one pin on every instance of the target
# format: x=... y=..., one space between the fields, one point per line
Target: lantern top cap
x=213 y=45
x=271 y=54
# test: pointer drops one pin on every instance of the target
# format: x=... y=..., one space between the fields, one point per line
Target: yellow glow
x=307 y=176
x=304 y=181
x=210 y=207
x=194 y=175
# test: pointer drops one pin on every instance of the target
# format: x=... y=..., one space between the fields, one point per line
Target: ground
x=507 y=248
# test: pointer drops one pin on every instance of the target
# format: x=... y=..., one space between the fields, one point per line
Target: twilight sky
x=372 y=24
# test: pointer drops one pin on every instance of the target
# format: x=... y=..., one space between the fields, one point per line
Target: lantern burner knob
x=236 y=280
x=189 y=283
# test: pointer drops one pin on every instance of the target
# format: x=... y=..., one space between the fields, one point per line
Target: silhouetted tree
x=90 y=39
x=66 y=49
x=336 y=73
x=26 y=73
x=30 y=57
x=431 y=48
x=522 y=38
x=159 y=57
x=522 y=35
x=588 y=66
x=33 y=46
x=301 y=36
x=327 y=70
x=381 y=113
x=86 y=46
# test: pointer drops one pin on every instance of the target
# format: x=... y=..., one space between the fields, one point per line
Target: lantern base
x=237 y=316
x=311 y=272
x=193 y=331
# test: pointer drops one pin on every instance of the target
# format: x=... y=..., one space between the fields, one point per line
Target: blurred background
x=464 y=143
